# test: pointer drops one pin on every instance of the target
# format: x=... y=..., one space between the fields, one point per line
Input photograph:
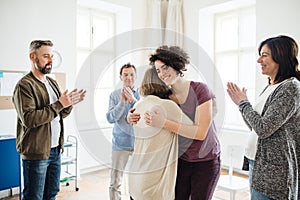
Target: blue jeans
x=251 y=165
x=255 y=195
x=42 y=177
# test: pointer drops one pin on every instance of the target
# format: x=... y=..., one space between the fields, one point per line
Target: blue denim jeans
x=42 y=177
x=255 y=195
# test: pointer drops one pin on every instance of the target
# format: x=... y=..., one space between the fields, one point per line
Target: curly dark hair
x=172 y=56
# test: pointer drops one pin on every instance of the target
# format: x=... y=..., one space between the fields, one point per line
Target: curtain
x=174 y=23
x=154 y=19
x=167 y=15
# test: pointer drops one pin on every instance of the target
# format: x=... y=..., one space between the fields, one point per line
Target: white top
x=250 y=150
x=55 y=125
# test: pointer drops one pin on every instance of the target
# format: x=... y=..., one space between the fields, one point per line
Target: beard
x=43 y=70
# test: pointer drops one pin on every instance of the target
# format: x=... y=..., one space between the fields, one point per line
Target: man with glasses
x=41 y=107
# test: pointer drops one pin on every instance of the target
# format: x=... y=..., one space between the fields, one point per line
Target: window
x=235 y=56
x=93 y=28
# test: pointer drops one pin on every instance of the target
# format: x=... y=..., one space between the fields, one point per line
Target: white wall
x=275 y=17
x=23 y=21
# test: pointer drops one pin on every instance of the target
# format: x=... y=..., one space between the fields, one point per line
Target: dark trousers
x=197 y=180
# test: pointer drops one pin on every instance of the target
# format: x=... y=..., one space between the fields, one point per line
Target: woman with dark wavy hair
x=274 y=121
x=198 y=168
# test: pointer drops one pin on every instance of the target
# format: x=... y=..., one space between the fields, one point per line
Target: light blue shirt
x=123 y=137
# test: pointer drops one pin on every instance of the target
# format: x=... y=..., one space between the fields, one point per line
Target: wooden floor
x=94 y=186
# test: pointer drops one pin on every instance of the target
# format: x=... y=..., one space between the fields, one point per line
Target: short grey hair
x=36 y=44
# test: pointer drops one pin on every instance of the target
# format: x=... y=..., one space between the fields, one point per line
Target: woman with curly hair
x=198 y=168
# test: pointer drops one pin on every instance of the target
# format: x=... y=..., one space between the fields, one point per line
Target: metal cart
x=69 y=161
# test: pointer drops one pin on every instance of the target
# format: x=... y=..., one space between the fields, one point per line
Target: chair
x=230 y=182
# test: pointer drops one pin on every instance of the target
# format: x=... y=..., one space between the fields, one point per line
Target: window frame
x=91 y=49
x=236 y=121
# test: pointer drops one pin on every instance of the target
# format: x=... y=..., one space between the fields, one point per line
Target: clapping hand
x=77 y=96
x=236 y=94
x=127 y=94
x=72 y=98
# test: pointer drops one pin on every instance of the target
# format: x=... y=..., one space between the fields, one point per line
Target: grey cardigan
x=276 y=170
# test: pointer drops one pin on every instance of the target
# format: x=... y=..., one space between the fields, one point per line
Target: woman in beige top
x=154 y=160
